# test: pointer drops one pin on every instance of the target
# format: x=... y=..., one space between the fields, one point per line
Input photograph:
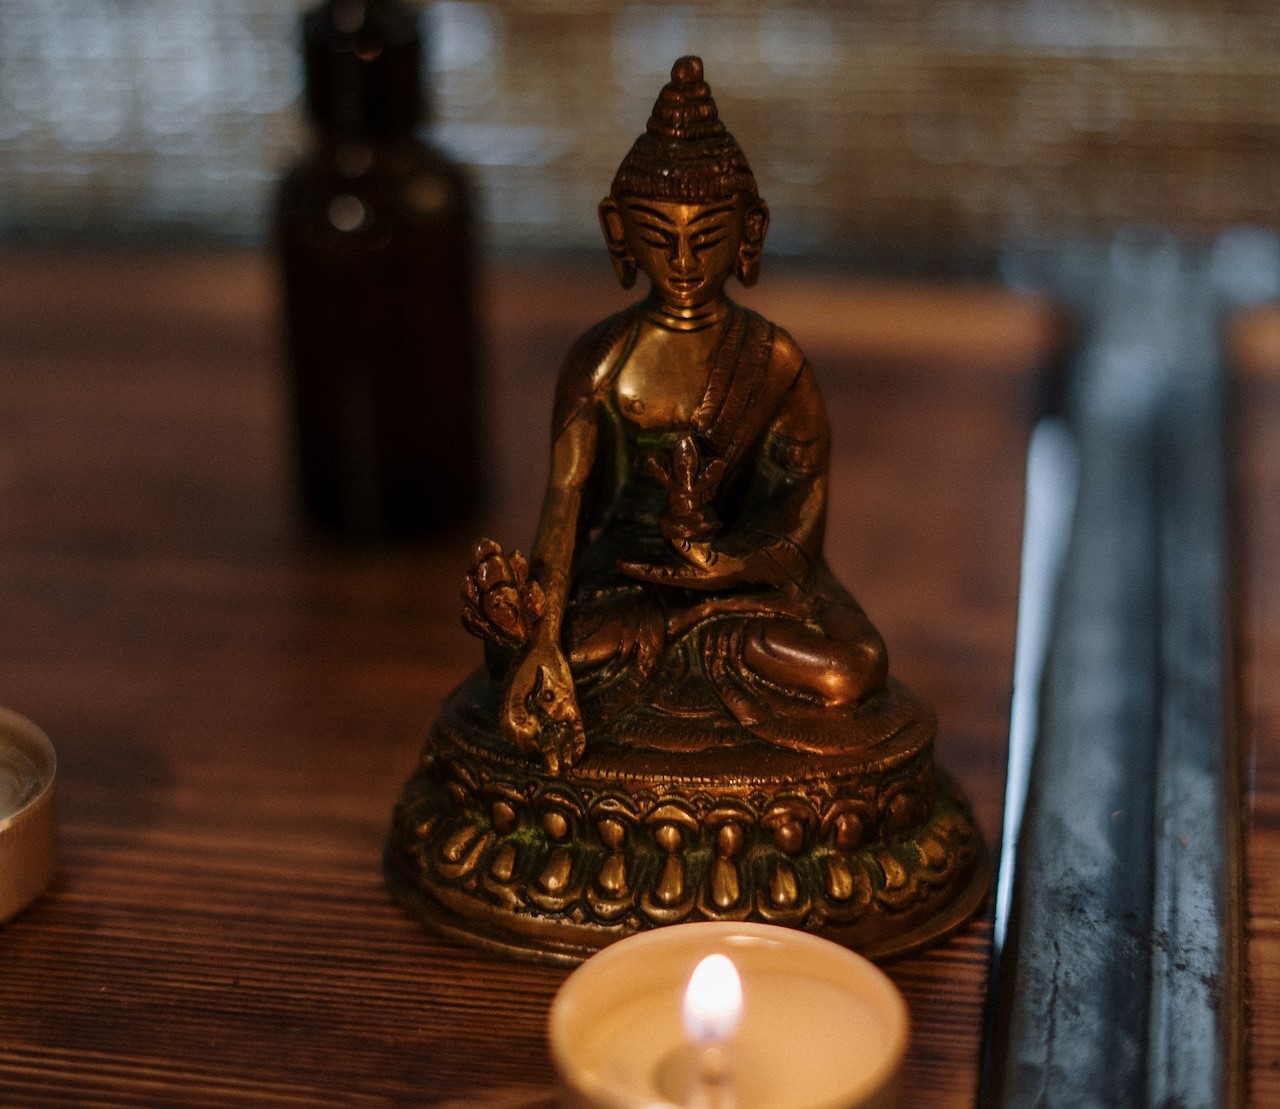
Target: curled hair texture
x=685 y=153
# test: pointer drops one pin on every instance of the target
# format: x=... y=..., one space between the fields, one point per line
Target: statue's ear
x=615 y=238
x=755 y=225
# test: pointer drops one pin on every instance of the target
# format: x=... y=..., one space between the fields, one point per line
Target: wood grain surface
x=1256 y=346
x=235 y=702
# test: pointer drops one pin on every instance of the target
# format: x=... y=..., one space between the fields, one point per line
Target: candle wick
x=712 y=1079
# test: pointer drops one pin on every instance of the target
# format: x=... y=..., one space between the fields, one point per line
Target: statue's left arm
x=779 y=533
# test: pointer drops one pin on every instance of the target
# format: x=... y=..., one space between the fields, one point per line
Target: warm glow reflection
x=713 y=1001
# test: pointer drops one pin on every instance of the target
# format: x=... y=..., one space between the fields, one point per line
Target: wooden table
x=235 y=702
x=1256 y=358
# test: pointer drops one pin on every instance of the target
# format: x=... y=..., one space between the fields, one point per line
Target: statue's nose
x=683 y=257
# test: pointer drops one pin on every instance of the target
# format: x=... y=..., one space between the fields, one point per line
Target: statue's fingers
x=551 y=759
x=645 y=571
x=520 y=725
x=563 y=750
x=518 y=722
x=663 y=575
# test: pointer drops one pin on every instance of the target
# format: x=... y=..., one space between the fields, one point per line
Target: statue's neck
x=698 y=318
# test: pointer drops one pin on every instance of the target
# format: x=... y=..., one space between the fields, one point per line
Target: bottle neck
x=362 y=64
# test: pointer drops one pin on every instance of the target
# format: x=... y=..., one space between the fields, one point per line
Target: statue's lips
x=685 y=284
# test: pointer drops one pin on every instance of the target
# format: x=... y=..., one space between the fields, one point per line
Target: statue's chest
x=664 y=380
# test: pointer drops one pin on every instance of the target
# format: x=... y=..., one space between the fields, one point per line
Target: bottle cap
x=27 y=769
x=362 y=66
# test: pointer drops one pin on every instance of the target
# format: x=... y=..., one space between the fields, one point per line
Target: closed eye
x=653 y=235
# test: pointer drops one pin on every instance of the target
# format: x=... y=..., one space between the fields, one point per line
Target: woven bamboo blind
x=904 y=127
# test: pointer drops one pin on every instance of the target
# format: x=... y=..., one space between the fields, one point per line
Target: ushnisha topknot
x=685 y=154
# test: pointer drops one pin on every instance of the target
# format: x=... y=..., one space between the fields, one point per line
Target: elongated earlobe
x=624 y=267
x=615 y=239
x=755 y=226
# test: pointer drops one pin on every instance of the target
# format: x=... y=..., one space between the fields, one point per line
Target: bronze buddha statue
x=683 y=714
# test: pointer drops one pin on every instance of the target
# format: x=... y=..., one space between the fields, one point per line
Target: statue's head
x=683 y=206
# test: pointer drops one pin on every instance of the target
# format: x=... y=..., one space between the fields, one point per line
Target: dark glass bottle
x=374 y=231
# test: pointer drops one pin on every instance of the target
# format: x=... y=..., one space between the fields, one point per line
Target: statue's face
x=687 y=251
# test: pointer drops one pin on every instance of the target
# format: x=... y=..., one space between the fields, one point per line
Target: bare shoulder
x=789 y=370
x=787 y=355
x=800 y=413
x=590 y=363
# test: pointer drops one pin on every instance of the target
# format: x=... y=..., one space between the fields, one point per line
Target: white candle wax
x=821 y=1027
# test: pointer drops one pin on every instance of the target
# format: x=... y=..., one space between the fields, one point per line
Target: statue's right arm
x=572 y=456
x=539 y=711
x=539 y=685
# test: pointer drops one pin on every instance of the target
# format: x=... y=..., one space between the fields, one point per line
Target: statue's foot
x=790 y=655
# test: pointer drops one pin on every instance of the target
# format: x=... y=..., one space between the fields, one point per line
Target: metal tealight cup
x=28 y=766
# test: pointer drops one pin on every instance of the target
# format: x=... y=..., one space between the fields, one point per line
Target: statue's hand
x=707 y=568
x=704 y=568
x=539 y=711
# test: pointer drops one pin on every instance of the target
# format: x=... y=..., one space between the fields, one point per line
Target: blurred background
x=894 y=133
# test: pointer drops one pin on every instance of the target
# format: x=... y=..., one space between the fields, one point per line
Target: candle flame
x=713 y=1001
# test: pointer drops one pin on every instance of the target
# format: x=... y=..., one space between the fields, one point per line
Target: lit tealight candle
x=802 y=1023
x=712 y=1011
